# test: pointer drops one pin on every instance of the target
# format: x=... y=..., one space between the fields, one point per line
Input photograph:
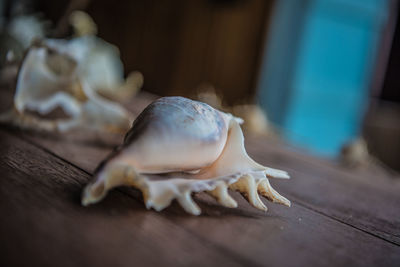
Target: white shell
x=178 y=146
x=99 y=65
x=68 y=74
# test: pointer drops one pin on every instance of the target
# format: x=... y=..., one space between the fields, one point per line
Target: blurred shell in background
x=355 y=155
x=100 y=65
x=100 y=62
x=18 y=35
x=49 y=78
x=71 y=74
x=255 y=119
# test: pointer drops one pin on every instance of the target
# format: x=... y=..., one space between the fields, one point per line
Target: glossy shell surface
x=177 y=147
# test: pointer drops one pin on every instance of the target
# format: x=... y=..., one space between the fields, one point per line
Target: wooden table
x=338 y=217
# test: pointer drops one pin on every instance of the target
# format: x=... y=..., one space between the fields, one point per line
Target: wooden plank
x=254 y=237
x=293 y=237
x=49 y=201
x=43 y=223
x=368 y=204
x=267 y=238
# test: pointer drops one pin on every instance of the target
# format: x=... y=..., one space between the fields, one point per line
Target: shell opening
x=98 y=190
x=93 y=193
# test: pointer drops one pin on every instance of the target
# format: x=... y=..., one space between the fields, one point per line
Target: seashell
x=99 y=64
x=256 y=119
x=82 y=23
x=56 y=73
x=177 y=147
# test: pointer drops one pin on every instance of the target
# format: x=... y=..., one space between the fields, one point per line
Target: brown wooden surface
x=337 y=218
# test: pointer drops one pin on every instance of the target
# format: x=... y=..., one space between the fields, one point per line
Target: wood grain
x=365 y=201
x=337 y=217
x=371 y=204
x=43 y=223
x=49 y=202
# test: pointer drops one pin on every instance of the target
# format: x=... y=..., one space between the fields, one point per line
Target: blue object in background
x=317 y=68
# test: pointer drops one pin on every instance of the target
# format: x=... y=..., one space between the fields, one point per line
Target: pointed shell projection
x=177 y=147
x=55 y=74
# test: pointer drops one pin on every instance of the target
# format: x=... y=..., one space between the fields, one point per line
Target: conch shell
x=177 y=147
x=65 y=74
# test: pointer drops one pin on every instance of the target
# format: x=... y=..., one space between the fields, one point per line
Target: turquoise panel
x=330 y=76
